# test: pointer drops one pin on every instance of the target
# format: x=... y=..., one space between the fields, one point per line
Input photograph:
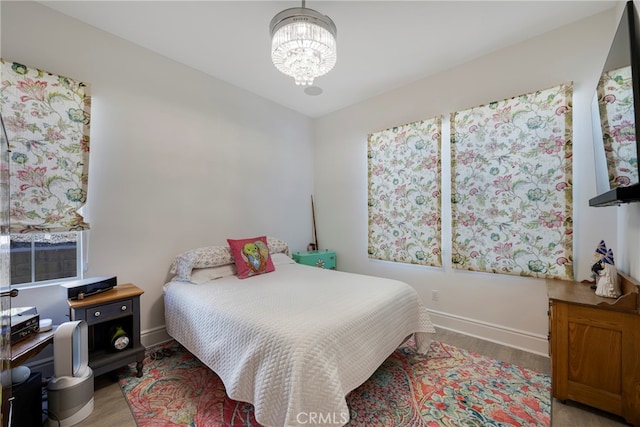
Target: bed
x=293 y=342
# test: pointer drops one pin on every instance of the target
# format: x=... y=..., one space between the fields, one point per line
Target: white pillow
x=210 y=256
x=203 y=275
x=277 y=246
x=280 y=258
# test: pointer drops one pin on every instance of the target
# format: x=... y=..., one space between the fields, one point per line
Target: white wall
x=178 y=159
x=181 y=160
x=497 y=307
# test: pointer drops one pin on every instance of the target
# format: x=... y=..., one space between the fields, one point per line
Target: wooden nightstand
x=104 y=312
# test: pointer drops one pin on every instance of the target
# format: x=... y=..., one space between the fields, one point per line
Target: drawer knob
x=123 y=308
x=97 y=314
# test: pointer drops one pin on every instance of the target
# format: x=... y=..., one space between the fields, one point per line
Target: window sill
x=27 y=286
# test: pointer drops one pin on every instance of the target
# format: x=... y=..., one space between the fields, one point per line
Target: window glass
x=42 y=257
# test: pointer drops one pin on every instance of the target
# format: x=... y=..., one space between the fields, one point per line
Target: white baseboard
x=522 y=340
x=154 y=336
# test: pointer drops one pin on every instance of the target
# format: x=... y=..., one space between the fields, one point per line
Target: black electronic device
x=25 y=322
x=80 y=289
x=624 y=53
x=27 y=404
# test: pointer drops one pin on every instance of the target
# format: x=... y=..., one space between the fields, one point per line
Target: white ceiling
x=382 y=45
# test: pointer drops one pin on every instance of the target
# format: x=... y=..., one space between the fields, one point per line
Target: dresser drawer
x=104 y=312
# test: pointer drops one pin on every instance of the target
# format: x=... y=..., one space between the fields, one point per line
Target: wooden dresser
x=594 y=344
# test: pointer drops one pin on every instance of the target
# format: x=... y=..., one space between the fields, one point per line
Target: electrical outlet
x=434 y=295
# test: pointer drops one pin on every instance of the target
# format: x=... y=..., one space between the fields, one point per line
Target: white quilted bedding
x=296 y=341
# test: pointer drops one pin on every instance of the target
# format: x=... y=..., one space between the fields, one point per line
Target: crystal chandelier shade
x=303 y=44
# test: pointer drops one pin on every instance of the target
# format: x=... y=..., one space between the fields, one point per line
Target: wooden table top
x=125 y=290
x=26 y=349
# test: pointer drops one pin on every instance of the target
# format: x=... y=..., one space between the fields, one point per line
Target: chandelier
x=303 y=43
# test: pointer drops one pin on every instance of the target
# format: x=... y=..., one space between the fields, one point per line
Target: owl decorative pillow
x=251 y=256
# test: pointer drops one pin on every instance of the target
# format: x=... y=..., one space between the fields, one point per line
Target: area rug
x=447 y=386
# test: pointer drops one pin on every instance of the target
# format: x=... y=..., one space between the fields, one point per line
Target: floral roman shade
x=47 y=119
x=511 y=186
x=404 y=193
x=615 y=103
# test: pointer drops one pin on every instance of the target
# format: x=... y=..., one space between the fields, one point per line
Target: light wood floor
x=111 y=408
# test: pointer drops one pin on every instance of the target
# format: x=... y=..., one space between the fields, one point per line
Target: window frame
x=80 y=263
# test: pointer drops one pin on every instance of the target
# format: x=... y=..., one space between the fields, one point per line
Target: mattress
x=296 y=341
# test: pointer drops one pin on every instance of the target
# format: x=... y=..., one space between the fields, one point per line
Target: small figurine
x=605 y=272
x=598 y=255
x=607 y=281
x=597 y=268
x=607 y=276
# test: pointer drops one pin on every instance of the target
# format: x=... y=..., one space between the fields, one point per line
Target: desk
x=26 y=349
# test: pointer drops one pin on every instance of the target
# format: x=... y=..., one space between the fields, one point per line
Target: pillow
x=215 y=256
x=210 y=256
x=251 y=256
x=202 y=275
x=279 y=259
x=278 y=246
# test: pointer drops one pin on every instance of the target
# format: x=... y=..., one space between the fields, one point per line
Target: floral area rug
x=447 y=386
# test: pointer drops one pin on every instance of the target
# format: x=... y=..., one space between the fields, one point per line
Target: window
x=45 y=257
x=511 y=189
x=47 y=119
x=404 y=193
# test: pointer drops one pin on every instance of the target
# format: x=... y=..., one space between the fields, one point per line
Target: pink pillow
x=251 y=256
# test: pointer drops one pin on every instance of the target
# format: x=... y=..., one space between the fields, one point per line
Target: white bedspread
x=296 y=341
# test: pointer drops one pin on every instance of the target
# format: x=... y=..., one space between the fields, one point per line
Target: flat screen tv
x=617 y=115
